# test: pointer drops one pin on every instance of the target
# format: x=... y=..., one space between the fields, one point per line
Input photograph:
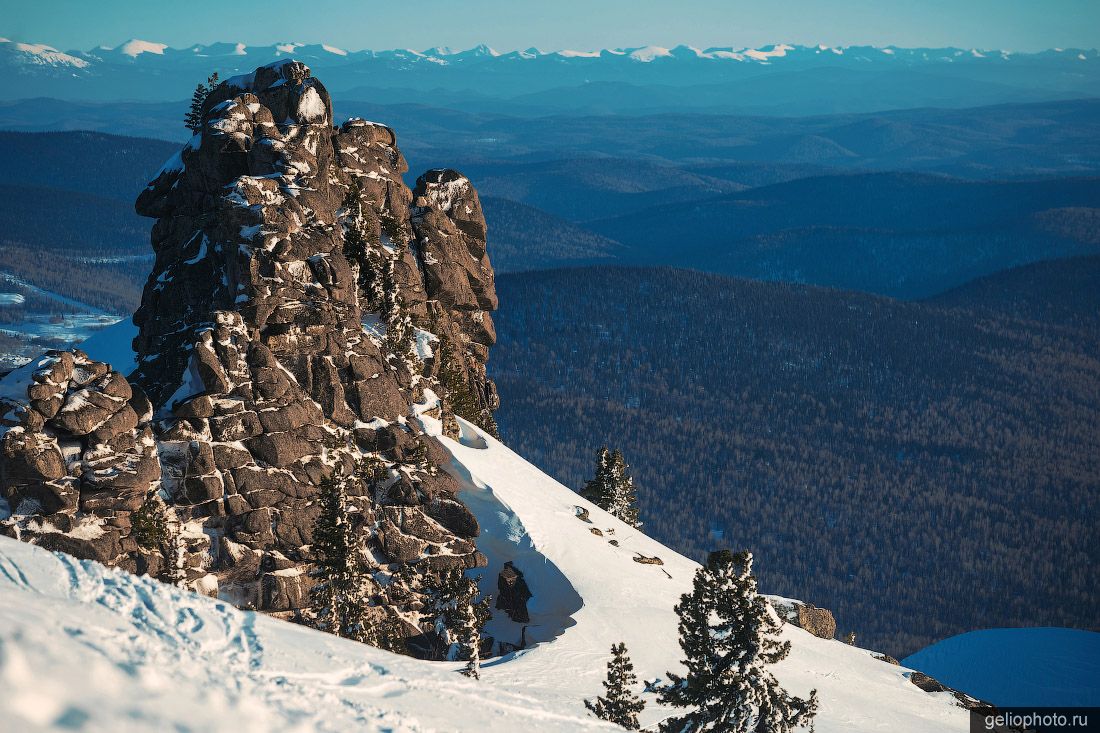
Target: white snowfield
x=84 y=647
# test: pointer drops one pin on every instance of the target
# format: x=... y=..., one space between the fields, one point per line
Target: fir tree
x=340 y=596
x=457 y=618
x=461 y=397
x=193 y=119
x=363 y=250
x=472 y=616
x=355 y=242
x=612 y=488
x=618 y=705
x=400 y=332
x=728 y=635
x=599 y=486
x=151 y=530
x=850 y=639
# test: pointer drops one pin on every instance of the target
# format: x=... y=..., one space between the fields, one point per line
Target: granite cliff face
x=305 y=310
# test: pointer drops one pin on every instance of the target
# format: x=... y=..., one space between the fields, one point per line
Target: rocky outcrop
x=818 y=621
x=267 y=361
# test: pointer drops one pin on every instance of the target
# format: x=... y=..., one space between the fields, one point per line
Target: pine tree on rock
x=193 y=119
x=341 y=595
x=619 y=704
x=355 y=242
x=728 y=635
x=612 y=488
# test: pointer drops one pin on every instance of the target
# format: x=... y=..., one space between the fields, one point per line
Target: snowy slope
x=1039 y=667
x=81 y=643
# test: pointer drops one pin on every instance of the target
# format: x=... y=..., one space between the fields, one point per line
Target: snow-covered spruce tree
x=599 y=486
x=193 y=119
x=619 y=704
x=728 y=635
x=472 y=617
x=612 y=488
x=340 y=597
x=456 y=618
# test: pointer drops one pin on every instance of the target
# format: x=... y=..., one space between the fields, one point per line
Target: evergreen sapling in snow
x=728 y=635
x=619 y=704
x=612 y=488
x=457 y=619
x=151 y=529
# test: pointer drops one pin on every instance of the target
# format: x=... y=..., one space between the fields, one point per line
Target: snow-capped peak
x=571 y=54
x=765 y=53
x=40 y=54
x=649 y=53
x=135 y=47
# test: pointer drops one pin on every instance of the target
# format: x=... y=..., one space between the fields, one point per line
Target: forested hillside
x=920 y=470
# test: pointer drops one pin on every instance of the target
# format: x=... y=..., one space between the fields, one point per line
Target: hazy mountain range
x=780 y=78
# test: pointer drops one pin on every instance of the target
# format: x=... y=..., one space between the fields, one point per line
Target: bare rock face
x=257 y=379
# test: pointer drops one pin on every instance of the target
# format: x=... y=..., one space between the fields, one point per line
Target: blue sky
x=1020 y=25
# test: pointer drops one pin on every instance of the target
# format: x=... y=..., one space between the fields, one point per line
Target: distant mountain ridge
x=767 y=54
x=856 y=78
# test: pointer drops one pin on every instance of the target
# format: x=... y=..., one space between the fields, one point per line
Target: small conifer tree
x=612 y=488
x=599 y=486
x=398 y=343
x=619 y=704
x=728 y=636
x=151 y=529
x=460 y=395
x=340 y=595
x=355 y=242
x=193 y=119
x=457 y=618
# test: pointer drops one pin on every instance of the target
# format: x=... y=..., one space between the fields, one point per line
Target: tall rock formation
x=305 y=309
